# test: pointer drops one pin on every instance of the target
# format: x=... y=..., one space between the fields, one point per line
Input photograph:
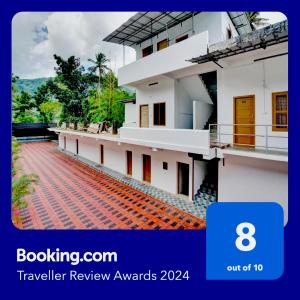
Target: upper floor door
x=144 y=115
x=244 y=119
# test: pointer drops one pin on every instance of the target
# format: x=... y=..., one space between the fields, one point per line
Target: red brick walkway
x=71 y=195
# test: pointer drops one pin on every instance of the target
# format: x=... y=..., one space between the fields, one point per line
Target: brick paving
x=72 y=195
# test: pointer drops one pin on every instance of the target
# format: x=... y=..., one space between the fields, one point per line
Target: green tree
x=100 y=65
x=107 y=106
x=255 y=19
x=71 y=88
x=51 y=111
x=22 y=105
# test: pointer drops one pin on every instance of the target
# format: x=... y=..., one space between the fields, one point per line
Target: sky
x=36 y=36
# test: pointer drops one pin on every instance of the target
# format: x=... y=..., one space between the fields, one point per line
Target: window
x=147 y=51
x=165 y=165
x=280 y=111
x=162 y=44
x=184 y=37
x=159 y=118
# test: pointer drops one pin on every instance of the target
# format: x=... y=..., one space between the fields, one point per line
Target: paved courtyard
x=72 y=195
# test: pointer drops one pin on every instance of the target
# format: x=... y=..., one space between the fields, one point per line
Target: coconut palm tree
x=255 y=20
x=99 y=62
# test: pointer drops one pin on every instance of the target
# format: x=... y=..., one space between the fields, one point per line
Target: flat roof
x=145 y=25
x=258 y=39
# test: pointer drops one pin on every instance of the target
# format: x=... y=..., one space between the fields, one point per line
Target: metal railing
x=260 y=136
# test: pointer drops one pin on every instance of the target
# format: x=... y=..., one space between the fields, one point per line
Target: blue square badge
x=244 y=241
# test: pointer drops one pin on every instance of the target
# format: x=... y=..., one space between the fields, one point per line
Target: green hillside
x=30 y=85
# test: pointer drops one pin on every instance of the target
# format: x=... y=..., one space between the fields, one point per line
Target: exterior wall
x=115 y=159
x=201 y=113
x=261 y=79
x=179 y=104
x=183 y=108
x=226 y=23
x=205 y=21
x=164 y=91
x=167 y=60
x=253 y=180
x=130 y=114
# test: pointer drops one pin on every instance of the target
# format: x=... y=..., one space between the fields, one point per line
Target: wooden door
x=147 y=168
x=244 y=117
x=144 y=116
x=129 y=162
x=162 y=44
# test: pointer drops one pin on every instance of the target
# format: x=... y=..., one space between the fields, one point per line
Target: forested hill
x=30 y=85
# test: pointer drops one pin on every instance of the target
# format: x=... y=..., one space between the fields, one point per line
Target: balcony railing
x=222 y=135
x=185 y=140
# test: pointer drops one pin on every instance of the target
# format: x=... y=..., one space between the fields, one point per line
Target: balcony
x=164 y=61
x=184 y=140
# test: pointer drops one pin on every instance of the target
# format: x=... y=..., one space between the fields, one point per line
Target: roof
x=144 y=25
x=240 y=22
x=262 y=38
x=124 y=101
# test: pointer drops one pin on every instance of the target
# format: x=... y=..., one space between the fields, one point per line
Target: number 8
x=245 y=236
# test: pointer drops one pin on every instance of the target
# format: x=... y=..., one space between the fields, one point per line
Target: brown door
x=147 y=168
x=183 y=173
x=244 y=112
x=129 y=162
x=101 y=154
x=144 y=116
x=162 y=44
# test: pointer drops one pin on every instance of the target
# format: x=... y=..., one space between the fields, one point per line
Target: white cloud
x=77 y=33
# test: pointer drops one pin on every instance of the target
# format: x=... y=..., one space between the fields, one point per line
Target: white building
x=193 y=70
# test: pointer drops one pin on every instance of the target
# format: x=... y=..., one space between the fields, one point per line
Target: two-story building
x=211 y=108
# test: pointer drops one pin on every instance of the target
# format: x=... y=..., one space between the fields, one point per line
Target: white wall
x=226 y=23
x=183 y=108
x=130 y=114
x=249 y=80
x=165 y=61
x=255 y=180
x=205 y=21
x=164 y=91
x=115 y=159
x=201 y=113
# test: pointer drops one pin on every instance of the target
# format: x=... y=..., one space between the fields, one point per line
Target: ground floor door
x=147 y=168
x=183 y=175
x=144 y=116
x=244 y=119
x=65 y=143
x=129 y=162
x=77 y=147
